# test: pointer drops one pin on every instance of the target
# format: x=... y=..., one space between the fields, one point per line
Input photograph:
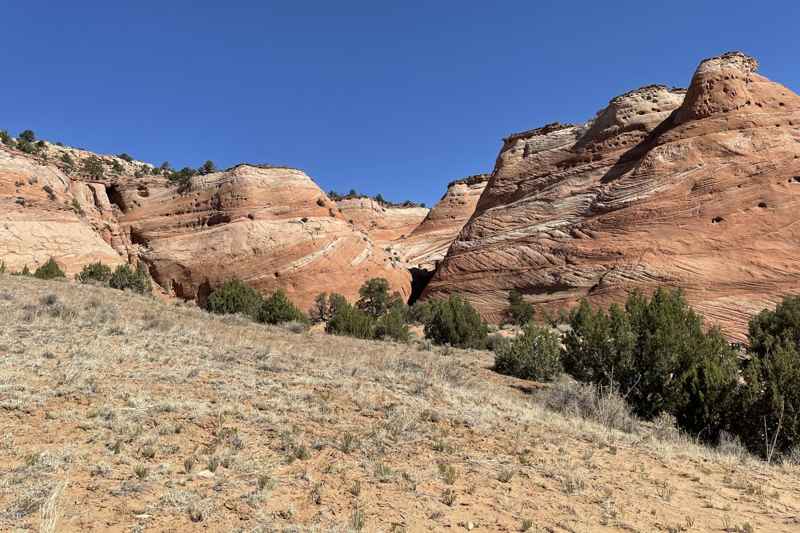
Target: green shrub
x=68 y=161
x=375 y=299
x=49 y=270
x=207 y=168
x=599 y=347
x=117 y=167
x=125 y=157
x=421 y=312
x=5 y=138
x=535 y=355
x=28 y=136
x=93 y=167
x=25 y=146
x=235 y=296
x=351 y=321
x=520 y=312
x=658 y=355
x=325 y=306
x=76 y=207
x=124 y=277
x=455 y=322
x=393 y=325
x=277 y=309
x=95 y=272
x=182 y=178
x=769 y=402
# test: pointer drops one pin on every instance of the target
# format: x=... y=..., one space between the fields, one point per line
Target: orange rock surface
x=271 y=227
x=428 y=243
x=696 y=189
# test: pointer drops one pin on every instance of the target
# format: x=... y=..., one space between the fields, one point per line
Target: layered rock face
x=384 y=224
x=270 y=227
x=697 y=189
x=430 y=240
x=44 y=214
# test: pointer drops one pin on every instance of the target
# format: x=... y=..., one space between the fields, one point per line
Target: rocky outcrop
x=270 y=227
x=44 y=214
x=383 y=223
x=696 y=189
x=428 y=243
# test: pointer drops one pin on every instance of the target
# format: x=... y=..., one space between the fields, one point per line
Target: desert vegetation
x=657 y=354
x=123 y=412
x=353 y=194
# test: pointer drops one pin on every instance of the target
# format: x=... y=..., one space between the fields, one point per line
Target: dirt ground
x=122 y=413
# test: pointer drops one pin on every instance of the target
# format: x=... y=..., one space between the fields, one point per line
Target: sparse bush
x=392 y=325
x=421 y=312
x=76 y=207
x=49 y=270
x=68 y=161
x=93 y=167
x=351 y=321
x=28 y=136
x=320 y=311
x=25 y=146
x=125 y=157
x=117 y=167
x=235 y=296
x=454 y=321
x=658 y=354
x=375 y=299
x=277 y=309
x=5 y=138
x=124 y=277
x=587 y=400
x=207 y=168
x=95 y=272
x=768 y=405
x=535 y=355
x=520 y=312
x=182 y=178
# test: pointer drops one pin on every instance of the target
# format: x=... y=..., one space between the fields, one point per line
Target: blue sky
x=391 y=97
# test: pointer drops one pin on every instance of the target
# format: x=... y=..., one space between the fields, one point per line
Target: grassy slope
x=317 y=432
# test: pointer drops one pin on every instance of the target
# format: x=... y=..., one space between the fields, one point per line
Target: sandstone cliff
x=44 y=213
x=697 y=189
x=428 y=243
x=271 y=227
x=383 y=223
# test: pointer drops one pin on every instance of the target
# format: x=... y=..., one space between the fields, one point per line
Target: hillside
x=120 y=412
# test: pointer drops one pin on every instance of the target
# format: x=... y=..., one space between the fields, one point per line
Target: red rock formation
x=383 y=223
x=270 y=227
x=43 y=214
x=428 y=243
x=699 y=192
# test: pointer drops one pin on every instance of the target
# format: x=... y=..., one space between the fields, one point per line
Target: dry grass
x=122 y=413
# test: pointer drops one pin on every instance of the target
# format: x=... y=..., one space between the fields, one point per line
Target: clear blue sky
x=390 y=97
